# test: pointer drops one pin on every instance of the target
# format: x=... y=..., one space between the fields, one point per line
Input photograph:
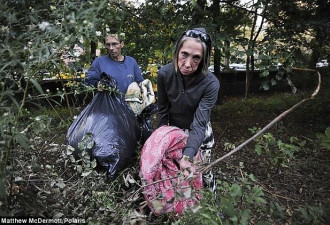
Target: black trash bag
x=107 y=81
x=145 y=121
x=112 y=126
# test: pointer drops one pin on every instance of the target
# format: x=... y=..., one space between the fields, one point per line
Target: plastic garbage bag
x=145 y=122
x=113 y=126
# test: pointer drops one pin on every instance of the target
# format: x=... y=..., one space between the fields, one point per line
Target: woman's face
x=190 y=56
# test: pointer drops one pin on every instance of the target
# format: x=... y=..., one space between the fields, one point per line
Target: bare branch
x=268 y=126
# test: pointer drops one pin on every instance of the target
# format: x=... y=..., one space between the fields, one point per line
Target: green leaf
x=265 y=86
x=264 y=73
x=235 y=190
x=293 y=139
x=278 y=76
x=260 y=200
x=22 y=140
x=257 y=191
x=94 y=163
x=228 y=208
x=258 y=149
x=326 y=145
x=79 y=168
x=195 y=207
x=37 y=85
x=327 y=132
x=245 y=217
x=14 y=101
x=249 y=52
x=86 y=142
x=86 y=173
x=69 y=150
x=302 y=143
x=304 y=213
x=273 y=82
x=60 y=184
x=58 y=215
x=252 y=178
x=206 y=216
x=325 y=139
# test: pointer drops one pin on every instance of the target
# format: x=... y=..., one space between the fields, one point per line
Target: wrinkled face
x=190 y=56
x=113 y=46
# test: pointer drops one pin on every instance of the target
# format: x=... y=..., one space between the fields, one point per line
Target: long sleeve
x=124 y=72
x=201 y=118
x=187 y=106
x=93 y=74
x=163 y=102
x=137 y=72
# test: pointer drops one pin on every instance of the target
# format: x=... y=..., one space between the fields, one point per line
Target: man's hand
x=100 y=86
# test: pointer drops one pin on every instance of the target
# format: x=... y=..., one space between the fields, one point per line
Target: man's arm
x=93 y=74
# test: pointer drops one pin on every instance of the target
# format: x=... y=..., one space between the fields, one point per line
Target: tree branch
x=268 y=126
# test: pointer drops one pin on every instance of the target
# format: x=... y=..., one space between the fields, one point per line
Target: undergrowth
x=48 y=182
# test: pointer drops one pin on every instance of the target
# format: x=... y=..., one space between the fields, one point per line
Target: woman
x=187 y=92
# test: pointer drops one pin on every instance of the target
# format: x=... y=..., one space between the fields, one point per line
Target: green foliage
x=277 y=153
x=325 y=139
x=34 y=38
x=233 y=203
x=293 y=21
x=311 y=214
x=77 y=188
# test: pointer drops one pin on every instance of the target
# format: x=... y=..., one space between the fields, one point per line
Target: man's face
x=113 y=46
x=190 y=56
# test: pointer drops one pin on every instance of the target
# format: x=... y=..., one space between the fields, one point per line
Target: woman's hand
x=187 y=166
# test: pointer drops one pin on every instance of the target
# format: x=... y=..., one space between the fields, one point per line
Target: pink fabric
x=160 y=159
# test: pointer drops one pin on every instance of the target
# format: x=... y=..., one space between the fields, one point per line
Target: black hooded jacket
x=186 y=103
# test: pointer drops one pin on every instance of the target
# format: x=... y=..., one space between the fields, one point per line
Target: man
x=124 y=69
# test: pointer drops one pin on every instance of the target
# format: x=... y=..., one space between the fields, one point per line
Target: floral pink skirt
x=164 y=190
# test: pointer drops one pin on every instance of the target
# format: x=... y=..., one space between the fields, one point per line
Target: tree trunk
x=217 y=51
x=227 y=53
x=93 y=50
x=247 y=77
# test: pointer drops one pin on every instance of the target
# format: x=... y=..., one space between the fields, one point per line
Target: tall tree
x=255 y=31
x=303 y=25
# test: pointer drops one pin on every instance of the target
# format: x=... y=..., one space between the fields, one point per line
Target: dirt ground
x=305 y=180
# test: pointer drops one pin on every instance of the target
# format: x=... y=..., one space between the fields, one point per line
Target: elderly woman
x=187 y=92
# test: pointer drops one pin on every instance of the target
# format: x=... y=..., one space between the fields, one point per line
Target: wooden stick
x=268 y=126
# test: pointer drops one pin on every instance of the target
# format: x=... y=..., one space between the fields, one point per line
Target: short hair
x=119 y=37
x=204 y=64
